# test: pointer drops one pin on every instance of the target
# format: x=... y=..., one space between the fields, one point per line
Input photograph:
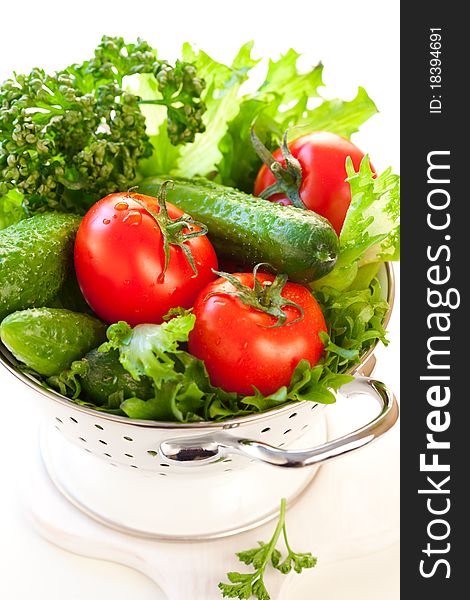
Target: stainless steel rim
x=228 y=424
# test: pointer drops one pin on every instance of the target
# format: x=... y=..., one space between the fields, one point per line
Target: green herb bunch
x=69 y=138
x=248 y=585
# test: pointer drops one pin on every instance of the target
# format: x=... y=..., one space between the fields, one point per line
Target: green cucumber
x=70 y=296
x=105 y=376
x=48 y=340
x=242 y=227
x=35 y=257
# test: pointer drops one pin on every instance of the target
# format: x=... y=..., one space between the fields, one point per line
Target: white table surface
x=358 y=47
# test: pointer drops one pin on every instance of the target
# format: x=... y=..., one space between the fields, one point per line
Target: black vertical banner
x=435 y=203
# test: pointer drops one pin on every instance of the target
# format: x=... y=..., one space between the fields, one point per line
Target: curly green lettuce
x=284 y=100
x=371 y=230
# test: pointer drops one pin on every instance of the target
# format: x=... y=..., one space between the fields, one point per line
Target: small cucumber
x=105 y=376
x=242 y=227
x=35 y=256
x=48 y=340
x=70 y=296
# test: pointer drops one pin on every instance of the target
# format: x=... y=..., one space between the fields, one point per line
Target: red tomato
x=238 y=344
x=322 y=156
x=119 y=260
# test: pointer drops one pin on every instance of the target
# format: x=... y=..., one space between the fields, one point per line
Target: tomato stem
x=173 y=229
x=263 y=296
x=288 y=178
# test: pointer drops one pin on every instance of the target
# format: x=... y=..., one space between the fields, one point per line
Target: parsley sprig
x=248 y=585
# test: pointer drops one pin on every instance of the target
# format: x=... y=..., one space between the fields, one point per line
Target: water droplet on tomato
x=133 y=217
x=106 y=221
x=121 y=206
x=217 y=341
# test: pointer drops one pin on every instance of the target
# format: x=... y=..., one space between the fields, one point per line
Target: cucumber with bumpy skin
x=35 y=257
x=70 y=296
x=246 y=228
x=104 y=375
x=48 y=340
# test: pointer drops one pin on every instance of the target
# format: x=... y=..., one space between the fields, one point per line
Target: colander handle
x=205 y=449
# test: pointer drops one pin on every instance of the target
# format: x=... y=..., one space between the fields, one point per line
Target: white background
x=359 y=45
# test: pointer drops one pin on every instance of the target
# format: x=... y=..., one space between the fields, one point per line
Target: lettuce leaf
x=220 y=98
x=222 y=104
x=149 y=349
x=284 y=100
x=11 y=208
x=355 y=322
x=371 y=230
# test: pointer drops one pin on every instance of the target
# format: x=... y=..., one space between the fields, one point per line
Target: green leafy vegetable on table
x=247 y=585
